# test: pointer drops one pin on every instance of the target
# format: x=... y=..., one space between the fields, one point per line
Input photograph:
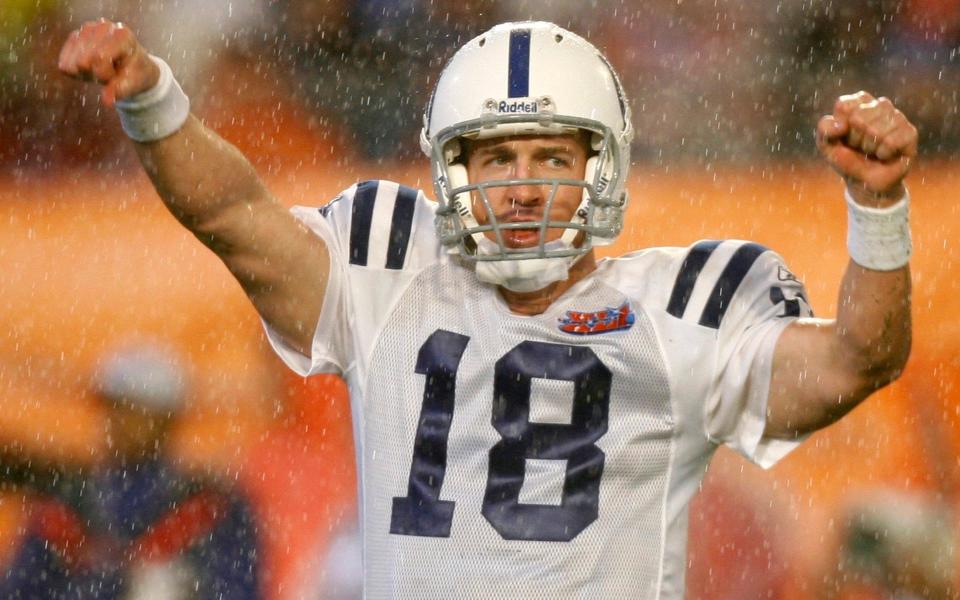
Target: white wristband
x=879 y=238
x=156 y=113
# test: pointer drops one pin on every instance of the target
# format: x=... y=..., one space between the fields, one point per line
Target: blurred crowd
x=709 y=80
x=132 y=525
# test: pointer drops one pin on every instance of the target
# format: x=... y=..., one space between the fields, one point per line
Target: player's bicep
x=809 y=377
x=283 y=267
x=768 y=300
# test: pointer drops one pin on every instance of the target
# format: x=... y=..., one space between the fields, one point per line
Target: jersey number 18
x=422 y=513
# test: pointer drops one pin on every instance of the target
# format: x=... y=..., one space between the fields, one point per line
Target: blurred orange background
x=91 y=259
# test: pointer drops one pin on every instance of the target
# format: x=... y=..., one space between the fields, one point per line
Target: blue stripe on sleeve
x=360 y=220
x=402 y=223
x=687 y=277
x=729 y=281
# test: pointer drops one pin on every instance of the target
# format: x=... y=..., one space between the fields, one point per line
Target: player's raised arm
x=205 y=182
x=822 y=369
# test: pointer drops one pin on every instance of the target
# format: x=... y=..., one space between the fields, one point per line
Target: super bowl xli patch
x=600 y=321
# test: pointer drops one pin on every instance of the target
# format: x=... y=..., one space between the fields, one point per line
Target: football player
x=532 y=422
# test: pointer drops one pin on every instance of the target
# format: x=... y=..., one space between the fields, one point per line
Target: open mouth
x=522 y=237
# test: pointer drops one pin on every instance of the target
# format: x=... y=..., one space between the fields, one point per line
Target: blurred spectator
x=895 y=545
x=735 y=548
x=133 y=527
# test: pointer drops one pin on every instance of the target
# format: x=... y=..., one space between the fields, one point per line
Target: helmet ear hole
x=452 y=150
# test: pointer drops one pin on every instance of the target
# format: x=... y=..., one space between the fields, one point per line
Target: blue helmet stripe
x=518 y=77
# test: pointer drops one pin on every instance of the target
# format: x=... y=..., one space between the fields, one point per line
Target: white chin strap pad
x=523 y=275
x=527 y=275
x=580 y=215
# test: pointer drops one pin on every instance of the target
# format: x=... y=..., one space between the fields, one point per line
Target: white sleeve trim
x=763 y=450
x=747 y=437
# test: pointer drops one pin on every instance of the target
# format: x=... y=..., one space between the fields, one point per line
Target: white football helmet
x=528 y=78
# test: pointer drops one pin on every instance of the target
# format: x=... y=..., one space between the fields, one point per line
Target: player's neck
x=536 y=303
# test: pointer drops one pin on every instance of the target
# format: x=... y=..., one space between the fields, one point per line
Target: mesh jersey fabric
x=508 y=456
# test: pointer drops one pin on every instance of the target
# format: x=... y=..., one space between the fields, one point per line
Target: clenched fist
x=109 y=54
x=871 y=145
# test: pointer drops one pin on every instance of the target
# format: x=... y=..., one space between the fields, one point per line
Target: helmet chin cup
x=523 y=275
x=527 y=275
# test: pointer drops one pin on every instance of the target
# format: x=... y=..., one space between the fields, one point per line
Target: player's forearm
x=823 y=369
x=873 y=315
x=873 y=326
x=201 y=178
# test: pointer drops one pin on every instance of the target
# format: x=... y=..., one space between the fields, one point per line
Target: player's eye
x=497 y=160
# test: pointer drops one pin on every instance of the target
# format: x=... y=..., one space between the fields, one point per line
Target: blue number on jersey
x=422 y=512
x=522 y=439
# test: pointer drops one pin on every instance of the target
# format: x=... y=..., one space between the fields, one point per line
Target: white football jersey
x=549 y=456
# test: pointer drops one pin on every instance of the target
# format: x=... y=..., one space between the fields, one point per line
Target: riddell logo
x=461 y=208
x=602 y=184
x=517 y=107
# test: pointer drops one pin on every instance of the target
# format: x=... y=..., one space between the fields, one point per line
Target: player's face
x=527 y=157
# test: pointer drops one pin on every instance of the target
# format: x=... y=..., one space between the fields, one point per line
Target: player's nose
x=523 y=193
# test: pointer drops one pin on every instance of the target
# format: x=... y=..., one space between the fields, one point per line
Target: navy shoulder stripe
x=361 y=220
x=326 y=208
x=400 y=226
x=687 y=277
x=731 y=278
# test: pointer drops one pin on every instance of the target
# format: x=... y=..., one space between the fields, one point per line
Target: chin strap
x=527 y=275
